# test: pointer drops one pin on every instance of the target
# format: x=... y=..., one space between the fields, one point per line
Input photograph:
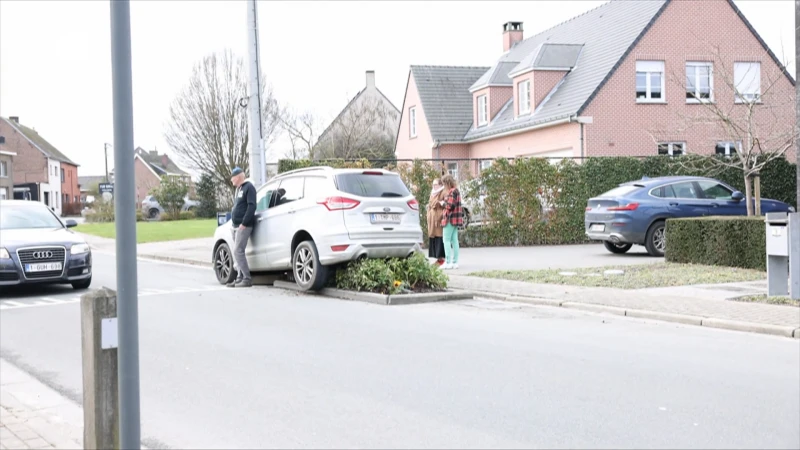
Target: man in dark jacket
x=243 y=217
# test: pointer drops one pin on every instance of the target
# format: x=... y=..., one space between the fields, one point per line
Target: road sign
x=106 y=187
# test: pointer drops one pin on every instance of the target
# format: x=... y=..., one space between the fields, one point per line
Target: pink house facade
x=590 y=88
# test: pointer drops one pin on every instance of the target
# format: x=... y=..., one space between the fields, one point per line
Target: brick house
x=149 y=167
x=41 y=172
x=6 y=173
x=589 y=87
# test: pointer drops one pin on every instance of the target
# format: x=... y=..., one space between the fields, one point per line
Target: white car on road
x=308 y=221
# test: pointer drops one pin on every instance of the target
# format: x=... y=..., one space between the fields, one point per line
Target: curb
x=732 y=325
x=191 y=262
x=381 y=299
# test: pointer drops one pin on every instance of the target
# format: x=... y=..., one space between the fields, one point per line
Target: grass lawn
x=156 y=231
x=777 y=300
x=633 y=277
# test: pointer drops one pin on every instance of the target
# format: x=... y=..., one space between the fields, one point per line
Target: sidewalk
x=35 y=416
x=706 y=305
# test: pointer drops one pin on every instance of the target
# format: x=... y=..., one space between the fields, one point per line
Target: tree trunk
x=757 y=184
x=748 y=195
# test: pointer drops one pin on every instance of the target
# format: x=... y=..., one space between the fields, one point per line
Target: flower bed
x=393 y=276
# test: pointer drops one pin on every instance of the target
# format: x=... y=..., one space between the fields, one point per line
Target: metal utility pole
x=125 y=212
x=797 y=90
x=105 y=149
x=258 y=167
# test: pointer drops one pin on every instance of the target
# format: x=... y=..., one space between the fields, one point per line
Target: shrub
x=186 y=215
x=392 y=276
x=530 y=201
x=718 y=241
x=207 y=195
x=103 y=211
x=171 y=194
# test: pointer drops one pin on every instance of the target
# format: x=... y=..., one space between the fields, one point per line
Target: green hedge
x=517 y=189
x=718 y=241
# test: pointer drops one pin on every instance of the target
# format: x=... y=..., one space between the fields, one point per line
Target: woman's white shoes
x=449 y=266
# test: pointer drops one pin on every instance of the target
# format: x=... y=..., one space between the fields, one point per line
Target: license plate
x=384 y=218
x=598 y=227
x=43 y=267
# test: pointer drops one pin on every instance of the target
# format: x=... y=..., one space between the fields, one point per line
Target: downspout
x=582 y=152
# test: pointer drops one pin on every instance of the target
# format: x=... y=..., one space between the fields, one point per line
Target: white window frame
x=524 y=97
x=729 y=145
x=3 y=193
x=671 y=147
x=4 y=169
x=412 y=122
x=649 y=68
x=483 y=110
x=485 y=164
x=696 y=66
x=452 y=169
x=740 y=72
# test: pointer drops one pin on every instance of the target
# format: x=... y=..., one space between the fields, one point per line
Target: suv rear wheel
x=153 y=213
x=656 y=240
x=308 y=273
x=617 y=248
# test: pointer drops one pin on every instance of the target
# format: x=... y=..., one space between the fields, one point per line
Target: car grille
x=26 y=256
x=9 y=276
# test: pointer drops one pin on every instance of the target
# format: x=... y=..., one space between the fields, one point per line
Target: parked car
x=309 y=221
x=635 y=213
x=152 y=210
x=36 y=247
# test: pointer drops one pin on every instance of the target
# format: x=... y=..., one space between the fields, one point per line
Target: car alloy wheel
x=660 y=239
x=656 y=239
x=304 y=266
x=223 y=264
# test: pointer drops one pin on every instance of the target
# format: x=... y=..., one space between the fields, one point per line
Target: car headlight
x=4 y=254
x=791 y=209
x=79 y=249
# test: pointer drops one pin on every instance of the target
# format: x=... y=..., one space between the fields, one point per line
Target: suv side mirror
x=70 y=223
x=737 y=196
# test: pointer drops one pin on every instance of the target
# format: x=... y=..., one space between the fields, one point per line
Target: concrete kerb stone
x=776 y=330
x=382 y=299
x=172 y=259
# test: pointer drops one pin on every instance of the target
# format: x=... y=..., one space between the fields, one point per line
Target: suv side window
x=263 y=200
x=715 y=191
x=290 y=190
x=685 y=190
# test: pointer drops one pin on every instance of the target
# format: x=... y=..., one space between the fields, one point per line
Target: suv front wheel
x=308 y=273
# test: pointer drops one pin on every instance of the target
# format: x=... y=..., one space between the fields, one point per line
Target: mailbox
x=777 y=234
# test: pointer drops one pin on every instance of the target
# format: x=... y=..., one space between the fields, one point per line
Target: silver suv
x=308 y=221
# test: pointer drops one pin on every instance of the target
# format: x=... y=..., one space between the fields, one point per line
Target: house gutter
x=568 y=119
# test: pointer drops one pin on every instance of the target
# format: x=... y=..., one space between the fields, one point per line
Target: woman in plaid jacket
x=452 y=220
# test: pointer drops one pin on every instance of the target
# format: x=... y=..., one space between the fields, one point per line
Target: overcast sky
x=55 y=63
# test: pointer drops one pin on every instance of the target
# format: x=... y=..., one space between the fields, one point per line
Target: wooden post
x=100 y=376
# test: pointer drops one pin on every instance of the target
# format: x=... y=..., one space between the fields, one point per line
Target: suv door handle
x=714 y=205
x=260 y=218
x=292 y=211
x=673 y=204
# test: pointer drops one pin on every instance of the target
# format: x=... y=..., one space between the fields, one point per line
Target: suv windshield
x=15 y=217
x=375 y=184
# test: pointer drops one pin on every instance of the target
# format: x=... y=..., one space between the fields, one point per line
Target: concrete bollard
x=100 y=375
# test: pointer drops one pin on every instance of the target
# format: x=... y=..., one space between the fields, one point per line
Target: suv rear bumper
x=330 y=254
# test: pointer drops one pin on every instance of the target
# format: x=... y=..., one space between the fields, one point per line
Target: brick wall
x=69 y=185
x=30 y=165
x=7 y=183
x=685 y=31
x=145 y=180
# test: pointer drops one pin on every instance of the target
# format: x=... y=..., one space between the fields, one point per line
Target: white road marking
x=53 y=301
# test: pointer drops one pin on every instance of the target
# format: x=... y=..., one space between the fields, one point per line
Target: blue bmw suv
x=634 y=213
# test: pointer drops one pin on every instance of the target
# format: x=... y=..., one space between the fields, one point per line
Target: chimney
x=14 y=119
x=370 y=79
x=512 y=35
x=164 y=161
x=153 y=153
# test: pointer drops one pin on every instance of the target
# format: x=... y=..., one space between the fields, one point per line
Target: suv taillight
x=338 y=203
x=413 y=204
x=628 y=207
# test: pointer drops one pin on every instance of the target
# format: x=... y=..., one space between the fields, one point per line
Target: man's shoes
x=233 y=283
x=244 y=283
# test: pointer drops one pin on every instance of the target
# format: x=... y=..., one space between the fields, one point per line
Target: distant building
x=149 y=167
x=6 y=173
x=41 y=171
x=365 y=128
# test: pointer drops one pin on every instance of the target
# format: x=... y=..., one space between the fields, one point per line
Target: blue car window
x=685 y=190
x=715 y=191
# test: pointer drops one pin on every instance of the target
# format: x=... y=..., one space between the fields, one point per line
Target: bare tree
x=367 y=128
x=755 y=123
x=208 y=125
x=302 y=130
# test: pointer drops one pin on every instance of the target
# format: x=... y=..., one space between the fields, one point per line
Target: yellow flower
x=397 y=283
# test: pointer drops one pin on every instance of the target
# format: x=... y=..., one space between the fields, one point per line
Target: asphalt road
x=266 y=368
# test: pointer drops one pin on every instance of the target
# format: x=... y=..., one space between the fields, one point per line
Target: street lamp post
x=125 y=215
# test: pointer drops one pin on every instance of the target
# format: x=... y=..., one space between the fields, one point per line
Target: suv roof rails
x=305 y=169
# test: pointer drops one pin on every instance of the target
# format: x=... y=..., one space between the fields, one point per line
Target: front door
x=720 y=199
x=257 y=247
x=280 y=220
